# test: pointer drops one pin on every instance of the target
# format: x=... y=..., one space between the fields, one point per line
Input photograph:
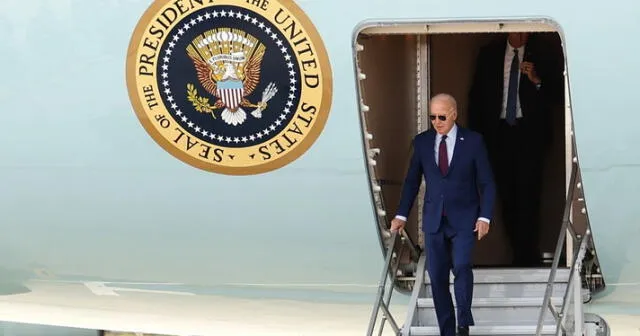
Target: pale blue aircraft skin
x=87 y=194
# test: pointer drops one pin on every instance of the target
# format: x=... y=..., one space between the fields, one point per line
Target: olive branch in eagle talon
x=201 y=104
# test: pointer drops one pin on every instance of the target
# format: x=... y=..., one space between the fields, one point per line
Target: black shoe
x=463 y=331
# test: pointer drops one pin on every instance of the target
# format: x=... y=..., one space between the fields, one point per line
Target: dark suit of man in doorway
x=457 y=209
x=509 y=104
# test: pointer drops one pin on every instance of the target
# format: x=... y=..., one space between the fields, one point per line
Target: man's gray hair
x=447 y=98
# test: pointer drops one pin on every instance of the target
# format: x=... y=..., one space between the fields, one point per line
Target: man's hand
x=397 y=224
x=482 y=228
x=529 y=69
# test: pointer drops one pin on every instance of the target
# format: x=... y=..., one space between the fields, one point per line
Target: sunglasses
x=441 y=117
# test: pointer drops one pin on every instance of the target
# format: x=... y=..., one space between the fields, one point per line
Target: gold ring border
x=321 y=117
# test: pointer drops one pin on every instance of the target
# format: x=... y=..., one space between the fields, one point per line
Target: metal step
x=508 y=290
x=505 y=302
x=511 y=283
x=487 y=311
x=496 y=302
x=490 y=330
x=512 y=275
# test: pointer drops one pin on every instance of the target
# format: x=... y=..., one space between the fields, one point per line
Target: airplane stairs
x=505 y=302
x=533 y=301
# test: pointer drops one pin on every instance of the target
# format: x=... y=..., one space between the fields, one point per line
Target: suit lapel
x=432 y=146
x=457 y=149
x=499 y=66
x=526 y=56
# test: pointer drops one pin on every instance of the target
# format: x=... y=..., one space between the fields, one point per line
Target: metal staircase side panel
x=419 y=291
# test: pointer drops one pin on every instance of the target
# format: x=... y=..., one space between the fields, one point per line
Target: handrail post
x=556 y=258
x=575 y=284
x=577 y=303
x=382 y=283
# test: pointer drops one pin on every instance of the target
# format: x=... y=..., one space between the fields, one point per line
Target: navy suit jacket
x=467 y=190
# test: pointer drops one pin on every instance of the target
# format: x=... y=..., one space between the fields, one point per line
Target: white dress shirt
x=451 y=144
x=450 y=141
x=508 y=58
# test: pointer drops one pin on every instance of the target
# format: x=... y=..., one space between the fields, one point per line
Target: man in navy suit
x=517 y=81
x=458 y=206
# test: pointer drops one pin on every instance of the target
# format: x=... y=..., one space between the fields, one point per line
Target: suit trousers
x=518 y=163
x=447 y=250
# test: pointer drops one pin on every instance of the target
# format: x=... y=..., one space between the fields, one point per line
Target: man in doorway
x=457 y=208
x=509 y=104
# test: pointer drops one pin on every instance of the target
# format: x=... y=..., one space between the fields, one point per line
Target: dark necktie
x=512 y=96
x=443 y=162
x=443 y=158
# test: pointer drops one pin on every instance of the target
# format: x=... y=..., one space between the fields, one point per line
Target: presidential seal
x=235 y=87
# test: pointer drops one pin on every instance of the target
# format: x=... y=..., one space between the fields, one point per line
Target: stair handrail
x=419 y=290
x=558 y=251
x=572 y=292
x=382 y=218
x=382 y=301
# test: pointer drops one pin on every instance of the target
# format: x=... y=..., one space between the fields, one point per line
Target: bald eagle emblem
x=227 y=63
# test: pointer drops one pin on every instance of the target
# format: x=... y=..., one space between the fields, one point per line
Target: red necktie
x=443 y=158
x=443 y=162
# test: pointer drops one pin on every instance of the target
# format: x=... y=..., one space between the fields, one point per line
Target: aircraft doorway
x=399 y=71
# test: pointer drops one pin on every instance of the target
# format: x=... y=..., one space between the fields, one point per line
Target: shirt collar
x=510 y=48
x=451 y=135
